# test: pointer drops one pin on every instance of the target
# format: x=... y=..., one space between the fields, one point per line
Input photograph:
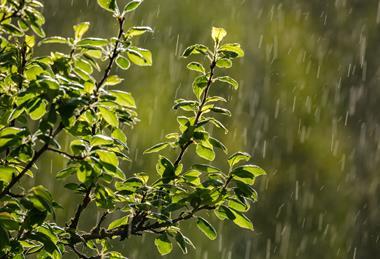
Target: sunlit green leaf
x=218 y=34
x=237 y=157
x=118 y=222
x=241 y=220
x=113 y=80
x=132 y=5
x=195 y=66
x=195 y=49
x=80 y=29
x=231 y=50
x=199 y=85
x=229 y=80
x=206 y=228
x=139 y=56
x=123 y=62
x=224 y=63
x=92 y=42
x=205 y=152
x=156 y=148
x=109 y=5
x=55 y=39
x=124 y=98
x=137 y=31
x=109 y=116
x=108 y=157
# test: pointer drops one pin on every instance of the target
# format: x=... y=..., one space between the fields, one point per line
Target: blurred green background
x=307 y=111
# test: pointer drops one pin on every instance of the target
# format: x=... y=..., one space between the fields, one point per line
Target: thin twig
x=64 y=154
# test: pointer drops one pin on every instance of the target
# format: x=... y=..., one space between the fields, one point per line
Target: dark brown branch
x=64 y=154
x=96 y=229
x=123 y=232
x=80 y=209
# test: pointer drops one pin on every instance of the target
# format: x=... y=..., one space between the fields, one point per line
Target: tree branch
x=64 y=154
x=185 y=146
x=80 y=209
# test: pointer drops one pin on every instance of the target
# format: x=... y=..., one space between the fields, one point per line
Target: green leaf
x=139 y=56
x=163 y=244
x=113 y=80
x=38 y=110
x=119 y=135
x=241 y=220
x=231 y=50
x=94 y=53
x=239 y=204
x=55 y=39
x=186 y=105
x=6 y=173
x=131 y=6
x=66 y=172
x=10 y=136
x=229 y=80
x=224 y=63
x=92 y=42
x=206 y=228
x=205 y=152
x=221 y=111
x=199 y=85
x=10 y=28
x=123 y=62
x=246 y=171
x=38 y=30
x=195 y=66
x=181 y=241
x=41 y=198
x=218 y=144
x=108 y=157
x=195 y=49
x=206 y=168
x=237 y=157
x=218 y=124
x=101 y=140
x=109 y=116
x=156 y=148
x=218 y=34
x=137 y=31
x=165 y=169
x=118 y=222
x=109 y=5
x=224 y=212
x=123 y=98
x=80 y=29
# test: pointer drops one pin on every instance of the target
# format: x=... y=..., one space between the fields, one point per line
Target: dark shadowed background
x=307 y=110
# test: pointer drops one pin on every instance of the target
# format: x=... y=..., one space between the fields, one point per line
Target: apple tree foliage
x=74 y=93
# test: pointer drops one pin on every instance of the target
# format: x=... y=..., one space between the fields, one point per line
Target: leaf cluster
x=74 y=93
